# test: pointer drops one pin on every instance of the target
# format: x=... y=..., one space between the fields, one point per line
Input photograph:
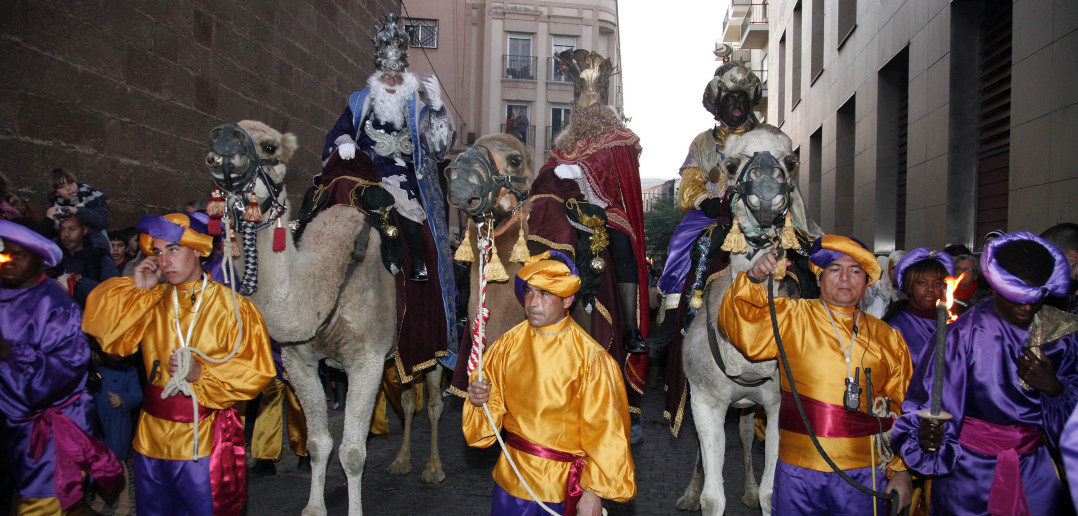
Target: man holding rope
x=561 y=398
x=200 y=339
x=831 y=346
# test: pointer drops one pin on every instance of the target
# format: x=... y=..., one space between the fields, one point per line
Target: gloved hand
x=711 y=206
x=347 y=150
x=434 y=92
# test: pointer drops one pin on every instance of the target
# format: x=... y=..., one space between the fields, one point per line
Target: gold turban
x=829 y=248
x=551 y=275
x=177 y=228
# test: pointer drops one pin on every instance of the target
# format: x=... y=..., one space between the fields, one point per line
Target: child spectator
x=68 y=198
x=117 y=396
x=124 y=263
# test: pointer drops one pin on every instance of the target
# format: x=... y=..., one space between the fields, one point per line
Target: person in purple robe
x=920 y=274
x=47 y=413
x=1010 y=383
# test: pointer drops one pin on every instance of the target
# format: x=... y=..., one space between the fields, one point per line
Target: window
x=847 y=19
x=519 y=62
x=518 y=123
x=781 y=113
x=558 y=70
x=795 y=57
x=816 y=56
x=559 y=119
x=422 y=32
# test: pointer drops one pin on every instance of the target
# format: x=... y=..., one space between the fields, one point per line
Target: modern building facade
x=924 y=122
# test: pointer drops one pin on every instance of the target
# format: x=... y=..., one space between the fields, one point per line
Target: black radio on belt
x=851 y=398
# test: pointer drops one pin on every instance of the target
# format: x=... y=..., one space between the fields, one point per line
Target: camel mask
x=234 y=161
x=476 y=180
x=758 y=180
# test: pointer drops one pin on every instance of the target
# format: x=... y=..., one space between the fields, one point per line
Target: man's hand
x=712 y=207
x=930 y=435
x=434 y=92
x=115 y=400
x=479 y=392
x=147 y=273
x=193 y=374
x=347 y=150
x=764 y=265
x=589 y=505
x=1039 y=373
x=901 y=483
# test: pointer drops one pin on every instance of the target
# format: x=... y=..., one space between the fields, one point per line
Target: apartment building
x=924 y=122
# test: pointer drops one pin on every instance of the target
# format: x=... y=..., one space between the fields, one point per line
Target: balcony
x=754 y=26
x=519 y=67
x=525 y=134
x=731 y=24
x=558 y=71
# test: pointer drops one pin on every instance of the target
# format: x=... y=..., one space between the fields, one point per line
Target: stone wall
x=124 y=93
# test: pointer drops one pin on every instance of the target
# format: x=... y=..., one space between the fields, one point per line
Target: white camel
x=323 y=300
x=741 y=383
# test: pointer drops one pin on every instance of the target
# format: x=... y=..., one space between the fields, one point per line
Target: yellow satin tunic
x=556 y=387
x=125 y=318
x=818 y=362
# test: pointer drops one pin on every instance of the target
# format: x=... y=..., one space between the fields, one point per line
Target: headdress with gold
x=178 y=228
x=551 y=271
x=731 y=77
x=390 y=45
x=590 y=73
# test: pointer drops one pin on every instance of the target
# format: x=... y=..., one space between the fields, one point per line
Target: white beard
x=390 y=108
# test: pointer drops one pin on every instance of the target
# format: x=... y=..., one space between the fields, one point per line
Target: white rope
x=484 y=248
x=178 y=383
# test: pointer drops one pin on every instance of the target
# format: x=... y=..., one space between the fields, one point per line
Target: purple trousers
x=505 y=504
x=805 y=491
x=158 y=483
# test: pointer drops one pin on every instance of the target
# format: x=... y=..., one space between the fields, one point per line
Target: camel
x=743 y=383
x=321 y=300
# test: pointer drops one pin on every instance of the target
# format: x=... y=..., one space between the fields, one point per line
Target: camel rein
x=892 y=497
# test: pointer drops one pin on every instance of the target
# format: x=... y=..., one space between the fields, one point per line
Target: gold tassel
x=780 y=268
x=464 y=250
x=788 y=240
x=735 y=240
x=252 y=213
x=697 y=299
x=520 y=249
x=495 y=269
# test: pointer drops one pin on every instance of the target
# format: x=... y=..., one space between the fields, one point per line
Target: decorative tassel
x=278 y=237
x=520 y=249
x=735 y=240
x=780 y=268
x=697 y=300
x=235 y=247
x=495 y=269
x=788 y=240
x=216 y=210
x=252 y=213
x=214 y=226
x=464 y=250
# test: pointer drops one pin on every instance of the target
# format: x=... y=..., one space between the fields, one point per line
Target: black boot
x=413 y=237
x=664 y=331
x=304 y=463
x=262 y=468
x=633 y=340
x=419 y=271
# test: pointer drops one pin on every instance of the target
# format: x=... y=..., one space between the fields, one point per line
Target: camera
x=63 y=212
x=851 y=397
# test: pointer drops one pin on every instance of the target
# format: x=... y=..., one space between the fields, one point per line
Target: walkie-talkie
x=851 y=398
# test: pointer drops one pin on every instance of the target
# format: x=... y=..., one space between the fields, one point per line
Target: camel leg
x=746 y=426
x=433 y=473
x=771 y=453
x=710 y=415
x=690 y=499
x=364 y=376
x=302 y=367
x=403 y=463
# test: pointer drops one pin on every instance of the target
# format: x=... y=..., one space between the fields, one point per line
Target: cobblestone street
x=663 y=469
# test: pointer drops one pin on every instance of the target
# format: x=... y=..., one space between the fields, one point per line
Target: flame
x=952 y=285
x=4 y=258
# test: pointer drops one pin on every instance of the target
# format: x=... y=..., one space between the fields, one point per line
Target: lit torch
x=4 y=258
x=943 y=316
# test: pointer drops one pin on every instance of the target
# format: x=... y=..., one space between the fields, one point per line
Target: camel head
x=760 y=168
x=482 y=176
x=249 y=157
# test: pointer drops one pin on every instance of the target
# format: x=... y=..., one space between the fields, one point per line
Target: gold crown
x=590 y=73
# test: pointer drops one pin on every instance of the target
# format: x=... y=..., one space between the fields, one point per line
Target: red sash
x=228 y=459
x=573 y=491
x=1004 y=442
x=831 y=421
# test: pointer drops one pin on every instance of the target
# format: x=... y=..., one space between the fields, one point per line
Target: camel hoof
x=313 y=511
x=688 y=502
x=751 y=499
x=432 y=475
x=400 y=467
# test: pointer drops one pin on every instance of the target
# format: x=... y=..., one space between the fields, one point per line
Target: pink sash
x=831 y=421
x=75 y=452
x=573 y=491
x=1006 y=443
x=228 y=459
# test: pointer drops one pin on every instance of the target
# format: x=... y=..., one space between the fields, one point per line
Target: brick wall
x=124 y=93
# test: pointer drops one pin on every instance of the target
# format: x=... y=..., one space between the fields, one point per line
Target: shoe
x=634 y=343
x=304 y=464
x=262 y=468
x=419 y=272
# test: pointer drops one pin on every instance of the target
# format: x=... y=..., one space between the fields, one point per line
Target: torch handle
x=937 y=376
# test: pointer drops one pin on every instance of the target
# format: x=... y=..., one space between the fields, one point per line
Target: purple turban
x=916 y=255
x=18 y=234
x=1013 y=288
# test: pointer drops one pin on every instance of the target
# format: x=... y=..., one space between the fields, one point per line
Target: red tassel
x=278 y=237
x=215 y=226
x=253 y=213
x=235 y=247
